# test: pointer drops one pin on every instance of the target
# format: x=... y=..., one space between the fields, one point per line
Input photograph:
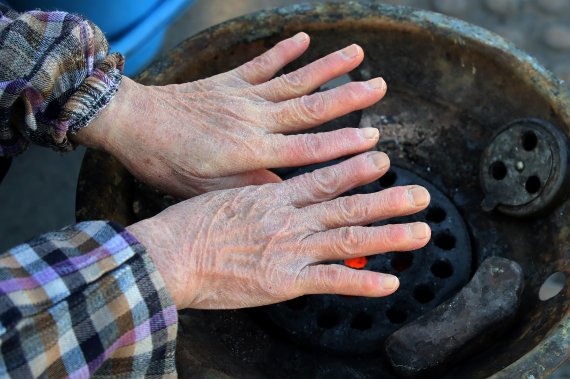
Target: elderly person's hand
x=225 y=131
x=264 y=244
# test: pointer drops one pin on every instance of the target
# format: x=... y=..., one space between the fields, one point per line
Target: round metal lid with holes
x=359 y=325
x=524 y=169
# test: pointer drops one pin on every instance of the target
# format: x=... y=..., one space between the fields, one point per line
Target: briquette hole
x=442 y=269
x=435 y=215
x=402 y=261
x=328 y=319
x=423 y=293
x=529 y=141
x=532 y=184
x=362 y=321
x=444 y=240
x=498 y=170
x=396 y=315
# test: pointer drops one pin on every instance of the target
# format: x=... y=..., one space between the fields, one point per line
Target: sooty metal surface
x=428 y=276
x=524 y=169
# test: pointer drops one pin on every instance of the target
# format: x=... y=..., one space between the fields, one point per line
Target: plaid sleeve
x=55 y=77
x=86 y=300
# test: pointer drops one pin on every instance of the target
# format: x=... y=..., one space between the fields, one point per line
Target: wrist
x=151 y=236
x=102 y=131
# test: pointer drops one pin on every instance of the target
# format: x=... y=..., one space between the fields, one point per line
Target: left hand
x=260 y=245
x=227 y=130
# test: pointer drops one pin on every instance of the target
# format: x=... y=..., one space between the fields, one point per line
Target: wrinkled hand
x=264 y=244
x=225 y=131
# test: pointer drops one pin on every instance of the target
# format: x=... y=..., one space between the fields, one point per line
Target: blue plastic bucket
x=134 y=28
x=112 y=16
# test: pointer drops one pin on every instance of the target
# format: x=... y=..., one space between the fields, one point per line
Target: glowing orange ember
x=356 y=262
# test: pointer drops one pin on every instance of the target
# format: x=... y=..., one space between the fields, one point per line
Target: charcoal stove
x=453 y=88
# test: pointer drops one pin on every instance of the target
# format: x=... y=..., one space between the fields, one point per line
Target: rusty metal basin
x=452 y=86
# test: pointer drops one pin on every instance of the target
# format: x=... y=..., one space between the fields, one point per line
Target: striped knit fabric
x=55 y=76
x=84 y=301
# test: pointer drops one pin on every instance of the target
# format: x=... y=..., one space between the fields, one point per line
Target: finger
x=264 y=67
x=312 y=110
x=329 y=182
x=303 y=149
x=341 y=280
x=368 y=208
x=250 y=178
x=312 y=76
x=357 y=241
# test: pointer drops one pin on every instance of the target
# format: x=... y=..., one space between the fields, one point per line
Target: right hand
x=227 y=130
x=259 y=245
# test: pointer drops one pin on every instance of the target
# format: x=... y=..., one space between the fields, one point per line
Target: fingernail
x=370 y=133
x=301 y=37
x=376 y=83
x=350 y=51
x=390 y=282
x=380 y=160
x=419 y=196
x=419 y=230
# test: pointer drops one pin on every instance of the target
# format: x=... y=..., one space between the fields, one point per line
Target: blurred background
x=39 y=189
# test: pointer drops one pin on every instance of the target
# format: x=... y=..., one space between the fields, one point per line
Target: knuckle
x=351 y=93
x=263 y=61
x=396 y=235
x=314 y=107
x=280 y=117
x=276 y=285
x=328 y=277
x=368 y=283
x=348 y=209
x=293 y=81
x=350 y=236
x=348 y=240
x=313 y=146
x=282 y=46
x=325 y=182
x=259 y=63
x=354 y=91
x=395 y=199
